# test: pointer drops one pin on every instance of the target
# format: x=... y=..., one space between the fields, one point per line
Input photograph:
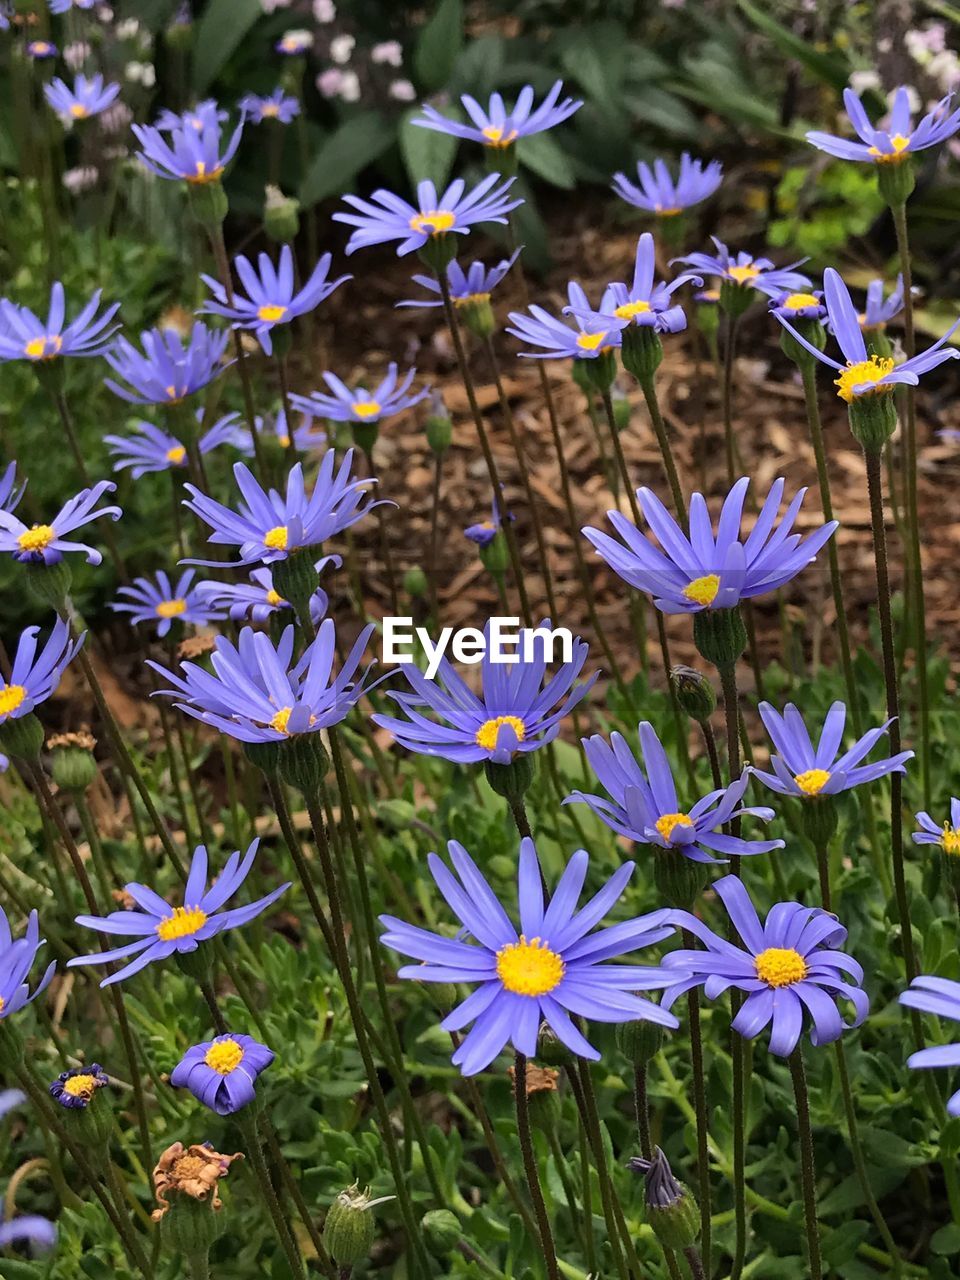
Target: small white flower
x=862 y=81
x=149 y=77
x=350 y=87
x=133 y=71
x=127 y=29
x=324 y=10
x=389 y=52
x=329 y=82
x=341 y=48
x=402 y=91
x=80 y=179
x=76 y=54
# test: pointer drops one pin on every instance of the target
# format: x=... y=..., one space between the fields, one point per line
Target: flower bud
x=639 y=1040
x=439 y=425
x=543 y=1101
x=621 y=408
x=415 y=582
x=672 y=1211
x=349 y=1229
x=642 y=351
x=551 y=1049
x=694 y=693
x=281 y=216
x=72 y=763
x=441 y=1231
x=512 y=781
x=719 y=635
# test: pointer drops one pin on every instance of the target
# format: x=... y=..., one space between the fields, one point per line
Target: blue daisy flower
x=499 y=128
x=46 y=543
x=665 y=196
x=162 y=603
x=899 y=140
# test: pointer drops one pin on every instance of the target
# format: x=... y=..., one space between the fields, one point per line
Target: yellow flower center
x=798 y=300
x=950 y=841
x=780 y=966
x=812 y=782
x=866 y=371
x=171 y=608
x=80 y=1086
x=435 y=223
x=78 y=110
x=269 y=109
x=184 y=923
x=590 y=341
x=283 y=441
x=472 y=300
x=670 y=212
x=668 y=822
x=631 y=309
x=201 y=175
x=486 y=736
x=177 y=455
x=11 y=697
x=744 y=274
x=271 y=313
x=495 y=137
x=223 y=1056
x=900 y=146
x=280 y=720
x=703 y=590
x=275 y=598
x=529 y=968
x=44 y=348
x=276 y=539
x=367 y=408
x=36 y=539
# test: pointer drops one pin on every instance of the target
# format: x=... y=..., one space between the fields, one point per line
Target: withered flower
x=190 y=1171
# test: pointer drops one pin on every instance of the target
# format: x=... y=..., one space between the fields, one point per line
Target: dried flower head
x=190 y=1171
x=83 y=741
x=538 y=1079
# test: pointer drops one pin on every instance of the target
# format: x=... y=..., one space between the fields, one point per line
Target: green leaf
x=547 y=160
x=343 y=154
x=946 y=1240
x=440 y=42
x=828 y=67
x=219 y=32
x=426 y=153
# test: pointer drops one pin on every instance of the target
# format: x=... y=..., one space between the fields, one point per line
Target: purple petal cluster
x=257 y=600
x=388 y=398
x=658 y=192
x=279 y=106
x=34 y=677
x=153 y=449
x=899 y=140
x=549 y=970
x=590 y=336
x=707 y=570
x=222 y=1073
x=161 y=602
x=160 y=930
x=87 y=97
x=940 y=996
x=17 y=958
x=46 y=543
x=747 y=271
x=497 y=127
x=789 y=967
x=194 y=155
x=24 y=336
x=167 y=371
x=473 y=285
x=643 y=302
x=643 y=802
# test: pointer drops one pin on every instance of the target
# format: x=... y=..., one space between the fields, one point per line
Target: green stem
x=531 y=1169
x=648 y=386
x=807 y=1175
x=700 y=1105
x=729 y=358
x=251 y=1137
x=591 y=1127
x=823 y=871
x=388 y=565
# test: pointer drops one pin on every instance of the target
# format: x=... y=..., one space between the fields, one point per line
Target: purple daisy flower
x=707 y=571
x=549 y=970
x=167 y=371
x=41 y=50
x=947 y=835
x=644 y=302
x=643 y=804
x=258 y=692
x=484 y=533
x=789 y=967
x=204 y=114
x=277 y=106
x=865 y=373
x=33 y=678
x=658 y=192
x=591 y=335
x=386 y=400
x=160 y=930
x=153 y=449
x=46 y=543
x=515 y=712
x=499 y=128
x=294 y=43
x=942 y=997
x=385 y=217
x=27 y=1228
x=799 y=306
x=879 y=311
x=471 y=286
x=162 y=602
x=258 y=599
x=272 y=526
x=748 y=272
x=75 y=1088
x=221 y=1073
x=86 y=98
x=192 y=155
x=10 y=491
x=893 y=144
x=273 y=297
x=64 y=6
x=24 y=336
x=800 y=770
x=17 y=957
